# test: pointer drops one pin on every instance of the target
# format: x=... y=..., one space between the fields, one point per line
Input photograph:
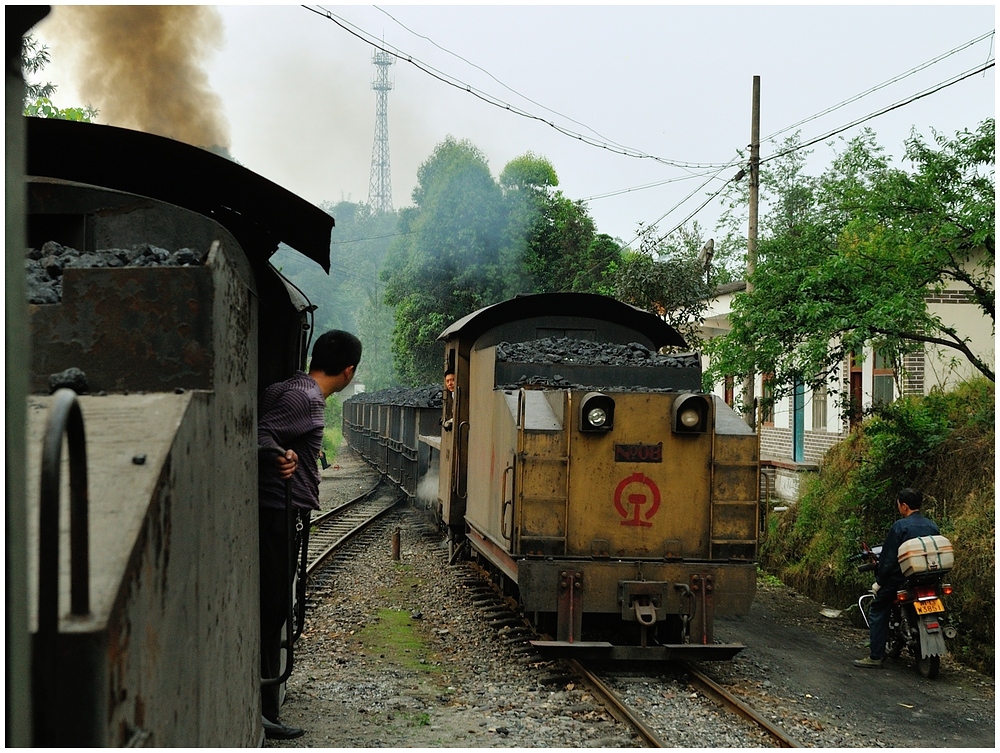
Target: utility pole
x=380 y=184
x=748 y=383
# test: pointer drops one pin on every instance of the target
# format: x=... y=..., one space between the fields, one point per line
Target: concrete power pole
x=380 y=184
x=748 y=384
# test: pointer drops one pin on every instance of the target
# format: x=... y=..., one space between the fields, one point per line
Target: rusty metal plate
x=129 y=329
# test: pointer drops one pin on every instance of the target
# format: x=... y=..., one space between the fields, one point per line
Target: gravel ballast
x=397 y=654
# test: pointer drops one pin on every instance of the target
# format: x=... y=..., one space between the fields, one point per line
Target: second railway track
x=333 y=528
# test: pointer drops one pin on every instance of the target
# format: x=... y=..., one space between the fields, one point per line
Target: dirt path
x=801 y=665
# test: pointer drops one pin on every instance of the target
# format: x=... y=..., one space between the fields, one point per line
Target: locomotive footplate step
x=668 y=652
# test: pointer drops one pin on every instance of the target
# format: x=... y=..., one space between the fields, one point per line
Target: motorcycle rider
x=889 y=577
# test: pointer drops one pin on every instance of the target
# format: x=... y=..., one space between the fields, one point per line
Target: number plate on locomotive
x=928 y=607
x=639 y=453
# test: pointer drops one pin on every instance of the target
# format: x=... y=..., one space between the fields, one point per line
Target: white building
x=800 y=428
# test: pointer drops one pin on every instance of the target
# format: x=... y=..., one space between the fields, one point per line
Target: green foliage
x=37 y=97
x=42 y=107
x=449 y=259
x=942 y=444
x=471 y=241
x=333 y=416
x=815 y=297
x=350 y=297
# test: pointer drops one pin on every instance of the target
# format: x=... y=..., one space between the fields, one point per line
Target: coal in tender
x=72 y=378
x=44 y=266
x=566 y=350
x=411 y=397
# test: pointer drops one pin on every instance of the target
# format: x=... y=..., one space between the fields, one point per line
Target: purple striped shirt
x=292 y=417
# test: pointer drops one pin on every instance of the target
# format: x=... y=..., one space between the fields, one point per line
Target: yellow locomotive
x=597 y=477
x=588 y=472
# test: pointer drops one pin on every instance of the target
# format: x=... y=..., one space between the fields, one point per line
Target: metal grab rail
x=289 y=567
x=65 y=418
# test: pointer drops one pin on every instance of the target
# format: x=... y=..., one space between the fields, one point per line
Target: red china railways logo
x=637 y=498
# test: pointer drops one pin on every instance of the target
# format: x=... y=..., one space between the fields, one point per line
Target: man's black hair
x=911 y=498
x=334 y=351
x=449 y=371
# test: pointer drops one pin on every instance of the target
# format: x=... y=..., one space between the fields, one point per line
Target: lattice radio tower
x=380 y=185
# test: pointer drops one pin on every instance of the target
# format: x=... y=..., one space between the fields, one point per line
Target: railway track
x=622 y=711
x=512 y=627
x=333 y=529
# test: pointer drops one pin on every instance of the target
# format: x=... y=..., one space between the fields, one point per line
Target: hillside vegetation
x=941 y=444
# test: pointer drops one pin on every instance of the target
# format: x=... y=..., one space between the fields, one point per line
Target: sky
x=671 y=83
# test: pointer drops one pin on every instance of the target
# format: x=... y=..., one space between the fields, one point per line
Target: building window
x=883 y=379
x=819 y=399
x=767 y=400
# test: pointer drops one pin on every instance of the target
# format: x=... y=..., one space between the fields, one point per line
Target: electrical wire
x=505 y=86
x=628 y=151
x=871 y=116
x=495 y=102
x=656 y=184
x=877 y=87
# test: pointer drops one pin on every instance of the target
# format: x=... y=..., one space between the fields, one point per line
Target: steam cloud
x=140 y=67
x=427 y=489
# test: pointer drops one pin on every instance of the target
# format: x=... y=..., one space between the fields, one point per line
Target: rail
x=712 y=690
x=334 y=528
x=729 y=701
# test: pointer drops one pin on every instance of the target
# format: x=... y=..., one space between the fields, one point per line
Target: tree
x=470 y=241
x=448 y=260
x=37 y=97
x=350 y=297
x=853 y=264
x=666 y=277
x=559 y=245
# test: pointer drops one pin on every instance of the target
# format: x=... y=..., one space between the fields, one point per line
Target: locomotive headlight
x=596 y=417
x=691 y=414
x=690 y=418
x=597 y=412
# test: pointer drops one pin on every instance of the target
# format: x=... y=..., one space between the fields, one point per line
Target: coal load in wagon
x=566 y=363
x=44 y=266
x=410 y=397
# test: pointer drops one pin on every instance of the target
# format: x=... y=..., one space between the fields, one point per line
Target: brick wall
x=913 y=374
x=950 y=296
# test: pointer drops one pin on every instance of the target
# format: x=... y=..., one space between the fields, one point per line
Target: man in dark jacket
x=292 y=419
x=889 y=577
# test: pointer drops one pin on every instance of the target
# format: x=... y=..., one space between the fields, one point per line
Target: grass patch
x=394 y=637
x=766 y=579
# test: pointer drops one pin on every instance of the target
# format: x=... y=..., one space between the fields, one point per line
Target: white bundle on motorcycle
x=926 y=554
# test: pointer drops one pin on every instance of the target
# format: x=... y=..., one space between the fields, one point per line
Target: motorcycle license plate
x=928 y=607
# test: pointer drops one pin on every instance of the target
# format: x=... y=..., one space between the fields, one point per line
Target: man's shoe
x=868 y=662
x=273 y=731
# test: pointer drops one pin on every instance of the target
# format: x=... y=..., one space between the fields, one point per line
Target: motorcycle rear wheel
x=929 y=666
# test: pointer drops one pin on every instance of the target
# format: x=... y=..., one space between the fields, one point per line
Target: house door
x=799 y=423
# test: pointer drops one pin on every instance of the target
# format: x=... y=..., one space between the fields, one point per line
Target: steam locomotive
x=143 y=633
x=610 y=495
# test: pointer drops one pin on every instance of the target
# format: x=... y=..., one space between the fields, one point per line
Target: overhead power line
x=498 y=103
x=505 y=86
x=611 y=146
x=871 y=116
x=877 y=87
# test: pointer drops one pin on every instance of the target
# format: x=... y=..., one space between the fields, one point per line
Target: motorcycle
x=917 y=620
